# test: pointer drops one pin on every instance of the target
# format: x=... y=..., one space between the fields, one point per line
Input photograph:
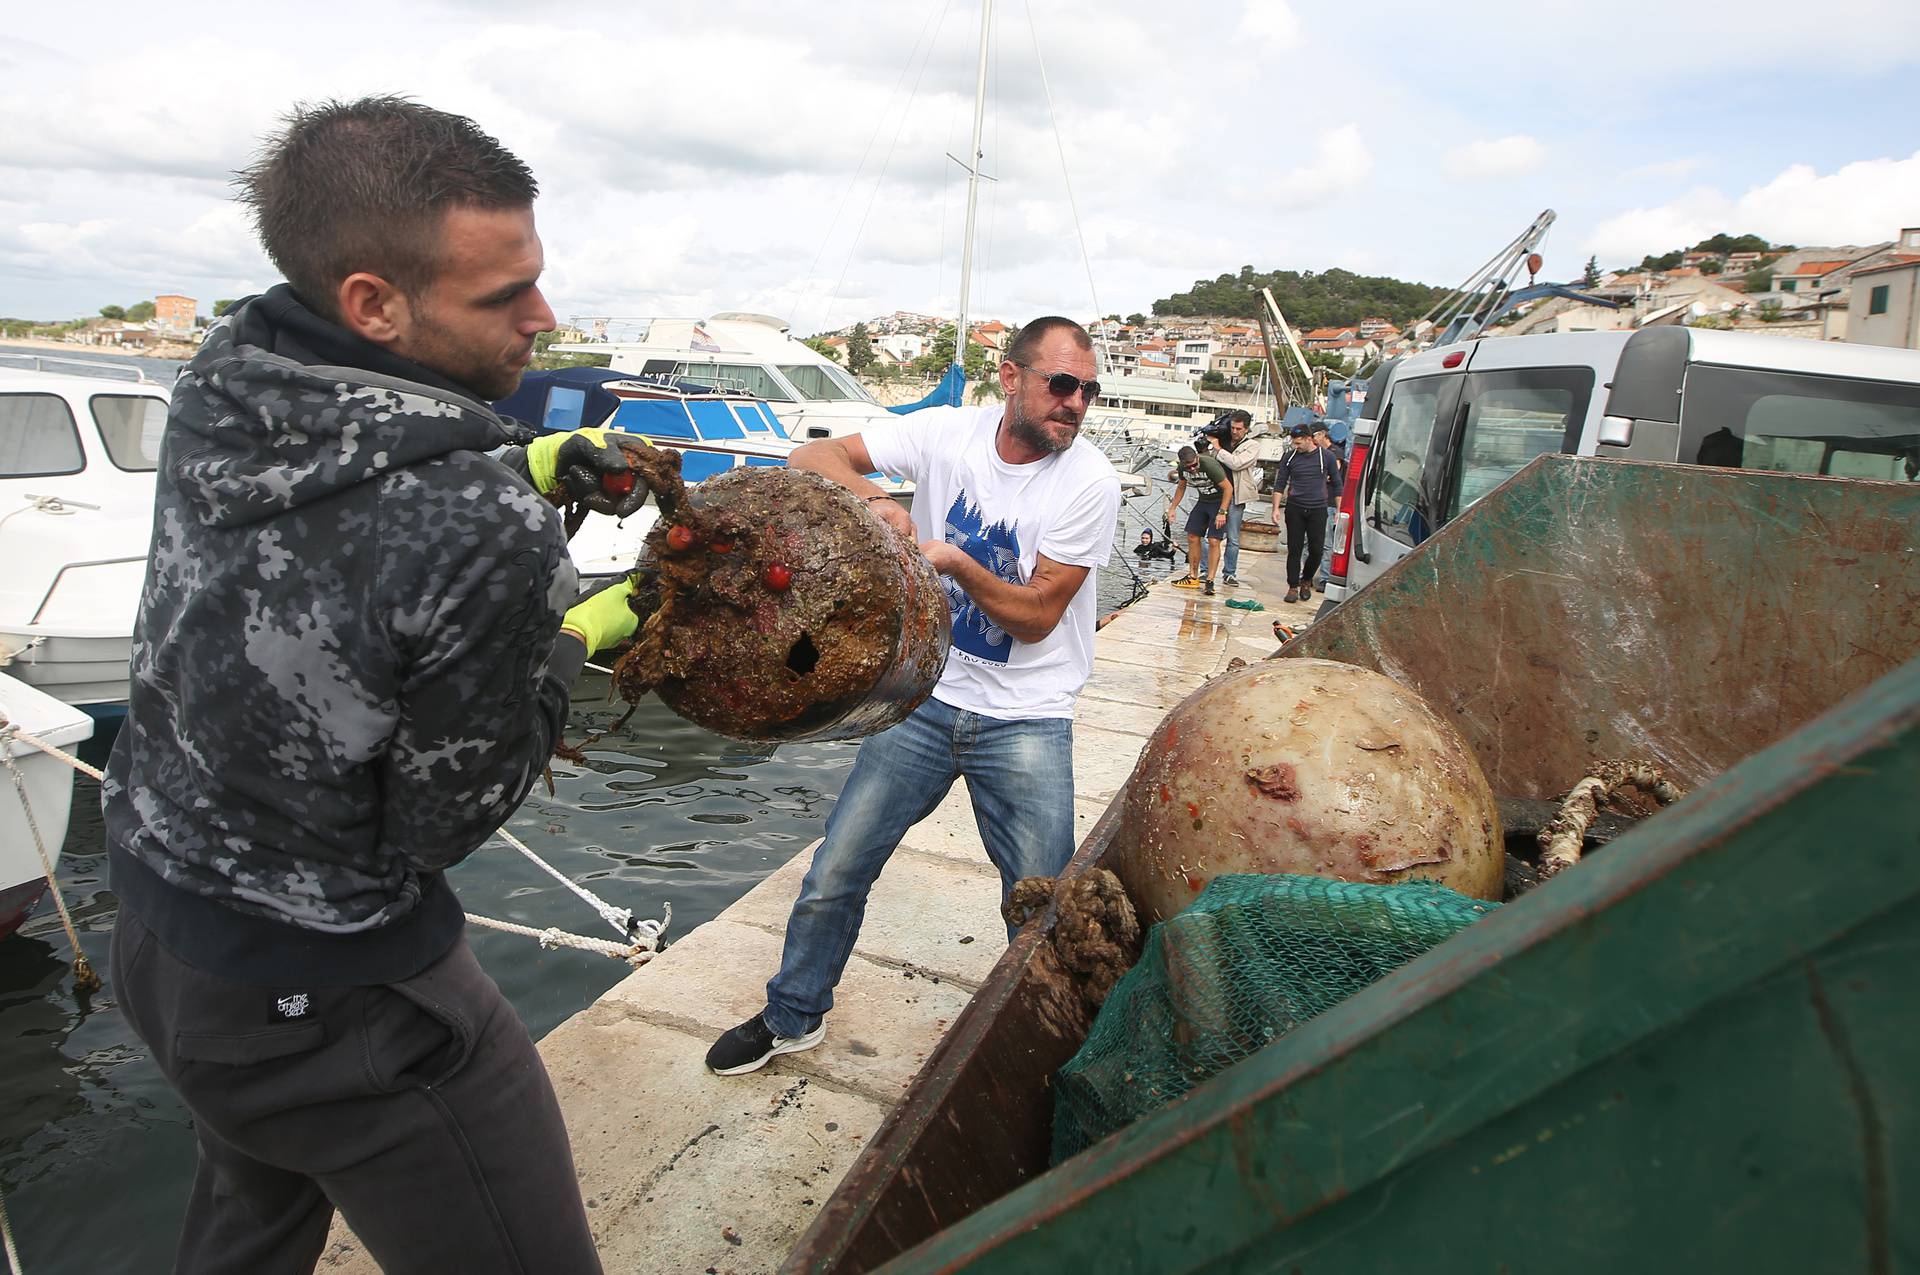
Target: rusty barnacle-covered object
x=781 y=608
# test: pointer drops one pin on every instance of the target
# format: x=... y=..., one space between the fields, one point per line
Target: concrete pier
x=685 y=1171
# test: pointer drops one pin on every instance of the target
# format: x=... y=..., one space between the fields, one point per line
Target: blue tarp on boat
x=950 y=392
x=563 y=398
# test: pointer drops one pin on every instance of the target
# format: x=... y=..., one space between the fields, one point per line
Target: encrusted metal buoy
x=781 y=608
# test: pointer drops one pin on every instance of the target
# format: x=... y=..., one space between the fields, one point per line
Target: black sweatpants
x=1306 y=534
x=419 y=1109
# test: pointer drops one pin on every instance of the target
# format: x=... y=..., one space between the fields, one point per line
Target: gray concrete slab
x=920 y=910
x=682 y=1170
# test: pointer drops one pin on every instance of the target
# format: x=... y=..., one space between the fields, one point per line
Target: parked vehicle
x=1459 y=420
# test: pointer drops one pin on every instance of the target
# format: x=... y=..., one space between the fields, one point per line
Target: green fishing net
x=1251 y=959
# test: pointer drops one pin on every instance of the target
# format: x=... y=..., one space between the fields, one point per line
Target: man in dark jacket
x=353 y=656
x=1307 y=474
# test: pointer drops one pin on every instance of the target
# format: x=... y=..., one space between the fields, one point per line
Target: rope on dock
x=624 y=923
x=633 y=953
x=84 y=979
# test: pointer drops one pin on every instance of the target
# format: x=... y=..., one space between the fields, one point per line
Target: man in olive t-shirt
x=1213 y=492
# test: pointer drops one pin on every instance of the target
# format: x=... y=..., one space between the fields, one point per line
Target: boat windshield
x=816 y=381
x=130 y=426
x=750 y=378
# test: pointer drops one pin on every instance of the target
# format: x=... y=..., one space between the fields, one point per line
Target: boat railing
x=90 y=367
x=60 y=575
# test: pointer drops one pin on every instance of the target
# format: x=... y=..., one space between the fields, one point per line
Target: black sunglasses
x=1063 y=384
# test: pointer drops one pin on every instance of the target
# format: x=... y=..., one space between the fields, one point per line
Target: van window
x=37 y=437
x=1744 y=418
x=1512 y=417
x=1398 y=505
x=130 y=426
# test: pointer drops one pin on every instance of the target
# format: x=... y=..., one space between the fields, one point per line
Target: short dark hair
x=1186 y=454
x=352 y=186
x=1021 y=351
x=1241 y=415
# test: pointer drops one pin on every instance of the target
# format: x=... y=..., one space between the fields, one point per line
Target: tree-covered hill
x=1308 y=299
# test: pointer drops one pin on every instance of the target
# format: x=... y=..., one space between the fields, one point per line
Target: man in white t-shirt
x=1017 y=513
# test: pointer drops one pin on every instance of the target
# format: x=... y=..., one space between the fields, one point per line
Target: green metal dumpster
x=1697 y=1049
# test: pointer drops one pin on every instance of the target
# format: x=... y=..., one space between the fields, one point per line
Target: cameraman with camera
x=1239 y=456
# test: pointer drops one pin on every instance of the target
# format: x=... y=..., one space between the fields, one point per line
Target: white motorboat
x=745 y=354
x=714 y=430
x=77 y=459
x=48 y=782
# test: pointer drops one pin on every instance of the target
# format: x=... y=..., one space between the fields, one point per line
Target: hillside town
x=1865 y=293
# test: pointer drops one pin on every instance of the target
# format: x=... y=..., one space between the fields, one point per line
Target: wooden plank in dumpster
x=1696 y=1052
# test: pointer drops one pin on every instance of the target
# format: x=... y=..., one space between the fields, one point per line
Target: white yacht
x=754 y=354
x=77 y=459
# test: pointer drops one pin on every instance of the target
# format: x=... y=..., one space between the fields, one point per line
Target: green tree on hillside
x=140 y=312
x=115 y=312
x=1724 y=243
x=1590 y=277
x=1309 y=299
x=936 y=360
x=1136 y=320
x=1665 y=261
x=859 y=349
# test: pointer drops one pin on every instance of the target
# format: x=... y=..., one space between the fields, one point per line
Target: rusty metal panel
x=1590 y=609
x=1698 y=1049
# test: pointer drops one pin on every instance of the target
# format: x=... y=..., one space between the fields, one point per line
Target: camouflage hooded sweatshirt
x=345 y=672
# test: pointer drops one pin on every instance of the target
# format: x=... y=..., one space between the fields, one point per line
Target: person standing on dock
x=1207 y=524
x=1023 y=511
x=1300 y=488
x=353 y=656
x=1240 y=457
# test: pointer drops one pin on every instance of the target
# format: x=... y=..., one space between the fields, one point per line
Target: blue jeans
x=1236 y=514
x=1020 y=777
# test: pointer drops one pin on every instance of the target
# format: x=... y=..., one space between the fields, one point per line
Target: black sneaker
x=752 y=1045
x=1230 y=580
x=1209 y=587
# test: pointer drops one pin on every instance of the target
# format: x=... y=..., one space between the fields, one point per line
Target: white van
x=1457 y=421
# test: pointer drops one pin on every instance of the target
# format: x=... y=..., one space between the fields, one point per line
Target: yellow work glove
x=590 y=466
x=604 y=619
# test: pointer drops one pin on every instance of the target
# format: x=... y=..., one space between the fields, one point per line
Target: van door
x=1396 y=498
x=1504 y=420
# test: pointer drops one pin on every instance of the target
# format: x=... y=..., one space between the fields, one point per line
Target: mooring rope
x=638 y=953
x=642 y=937
x=6 y=1238
x=624 y=923
x=84 y=979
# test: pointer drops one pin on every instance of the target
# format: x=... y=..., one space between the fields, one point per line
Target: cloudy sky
x=792 y=158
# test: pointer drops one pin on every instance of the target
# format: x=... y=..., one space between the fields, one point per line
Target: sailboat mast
x=973 y=186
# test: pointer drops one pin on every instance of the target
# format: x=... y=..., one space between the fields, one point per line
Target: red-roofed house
x=1808 y=275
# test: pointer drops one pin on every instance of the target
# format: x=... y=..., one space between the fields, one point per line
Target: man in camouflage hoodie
x=353 y=656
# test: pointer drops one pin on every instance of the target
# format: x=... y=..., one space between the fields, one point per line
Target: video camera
x=1218 y=432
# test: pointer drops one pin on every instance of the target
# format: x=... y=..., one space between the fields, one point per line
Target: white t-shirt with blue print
x=1004 y=516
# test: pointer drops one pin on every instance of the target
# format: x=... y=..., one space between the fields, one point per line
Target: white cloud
x=1271 y=24
x=1495 y=157
x=1669 y=170
x=1339 y=162
x=1863 y=202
